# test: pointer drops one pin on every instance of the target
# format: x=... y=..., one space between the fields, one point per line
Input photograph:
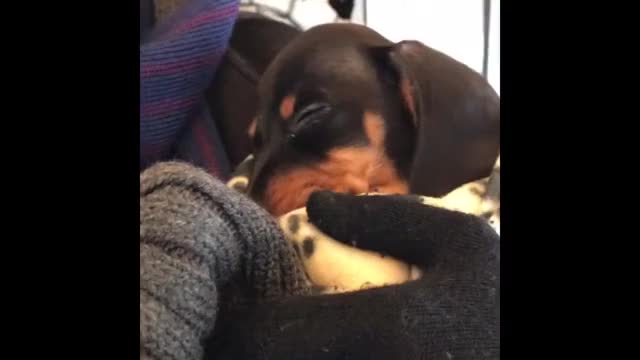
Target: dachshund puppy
x=342 y=108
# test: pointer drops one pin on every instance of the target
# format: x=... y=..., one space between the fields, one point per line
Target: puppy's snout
x=354 y=185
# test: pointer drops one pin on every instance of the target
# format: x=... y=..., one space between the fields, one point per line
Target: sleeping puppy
x=342 y=108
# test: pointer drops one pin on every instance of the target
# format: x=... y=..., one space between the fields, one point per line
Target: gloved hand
x=452 y=312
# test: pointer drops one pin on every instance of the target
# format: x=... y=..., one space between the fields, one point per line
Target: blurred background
x=455 y=27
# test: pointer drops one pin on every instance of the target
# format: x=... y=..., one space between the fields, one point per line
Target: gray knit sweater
x=195 y=236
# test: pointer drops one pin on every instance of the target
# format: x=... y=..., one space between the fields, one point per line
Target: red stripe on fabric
x=204 y=18
x=166 y=106
x=149 y=70
x=205 y=148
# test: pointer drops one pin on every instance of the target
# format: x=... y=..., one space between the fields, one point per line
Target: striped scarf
x=178 y=60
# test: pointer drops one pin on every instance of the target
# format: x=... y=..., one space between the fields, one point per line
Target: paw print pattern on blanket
x=332 y=266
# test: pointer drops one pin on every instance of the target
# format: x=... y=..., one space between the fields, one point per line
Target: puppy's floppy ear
x=456 y=114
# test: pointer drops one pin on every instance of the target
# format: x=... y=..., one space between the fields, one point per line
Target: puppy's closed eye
x=309 y=116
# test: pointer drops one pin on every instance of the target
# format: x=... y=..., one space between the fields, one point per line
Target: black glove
x=452 y=312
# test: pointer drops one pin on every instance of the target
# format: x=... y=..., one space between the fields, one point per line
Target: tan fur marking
x=407 y=94
x=374 y=128
x=347 y=170
x=286 y=106
x=251 y=131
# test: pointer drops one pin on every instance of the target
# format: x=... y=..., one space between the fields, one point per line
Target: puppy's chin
x=282 y=200
x=290 y=191
x=346 y=170
x=280 y=204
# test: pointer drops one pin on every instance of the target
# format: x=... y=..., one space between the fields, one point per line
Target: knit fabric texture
x=197 y=237
x=177 y=63
x=452 y=312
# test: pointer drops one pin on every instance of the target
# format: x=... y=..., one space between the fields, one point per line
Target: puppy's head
x=342 y=108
